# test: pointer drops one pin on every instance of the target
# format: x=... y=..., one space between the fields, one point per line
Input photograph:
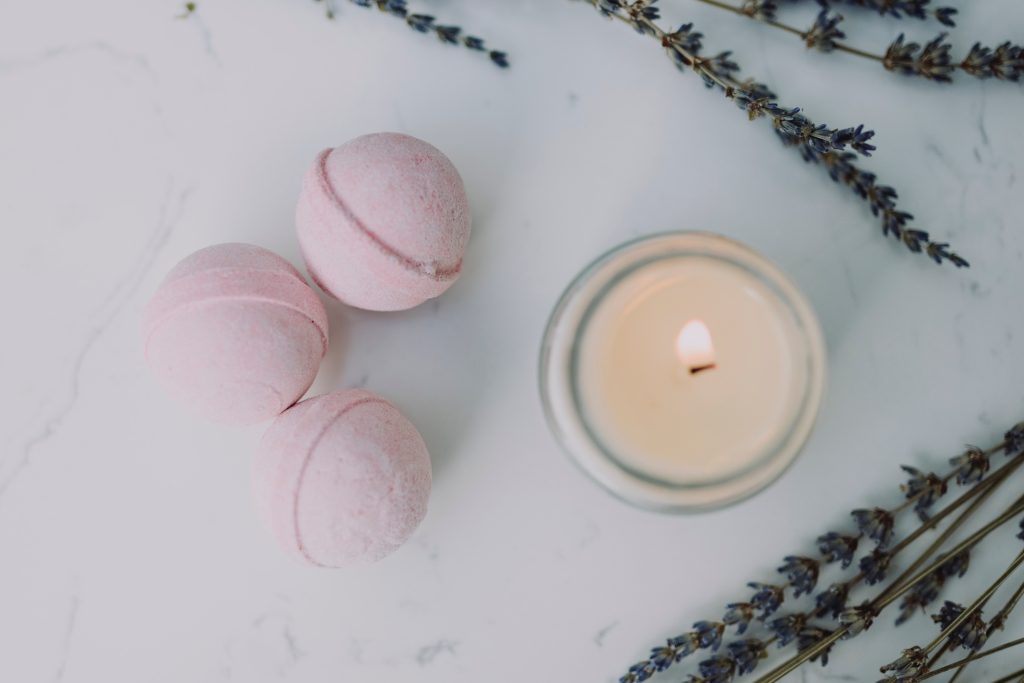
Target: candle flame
x=694 y=346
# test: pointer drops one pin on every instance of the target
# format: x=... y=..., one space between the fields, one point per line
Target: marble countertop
x=129 y=138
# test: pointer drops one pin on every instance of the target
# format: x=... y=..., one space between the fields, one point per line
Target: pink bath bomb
x=235 y=333
x=342 y=479
x=383 y=222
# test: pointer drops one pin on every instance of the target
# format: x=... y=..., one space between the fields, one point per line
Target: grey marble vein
x=171 y=210
x=600 y=636
x=137 y=60
x=65 y=647
x=428 y=653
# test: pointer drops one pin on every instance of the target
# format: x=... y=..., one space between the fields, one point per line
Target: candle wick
x=701 y=368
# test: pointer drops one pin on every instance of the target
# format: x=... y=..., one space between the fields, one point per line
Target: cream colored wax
x=636 y=389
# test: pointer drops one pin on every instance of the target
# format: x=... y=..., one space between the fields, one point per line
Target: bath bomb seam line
x=305 y=465
x=291 y=275
x=181 y=308
x=220 y=270
x=426 y=269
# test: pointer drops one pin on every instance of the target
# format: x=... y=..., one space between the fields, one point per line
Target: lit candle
x=694 y=347
x=683 y=371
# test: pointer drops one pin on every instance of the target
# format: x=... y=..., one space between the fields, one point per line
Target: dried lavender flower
x=832 y=600
x=970 y=635
x=924 y=489
x=824 y=32
x=838 y=548
x=760 y=9
x=709 y=634
x=685 y=643
x=747 y=654
x=801 y=573
x=426 y=23
x=917 y=9
x=1008 y=62
x=787 y=629
x=810 y=637
x=706 y=635
x=909 y=664
x=947 y=614
x=978 y=61
x=1013 y=440
x=1005 y=62
x=945 y=16
x=957 y=565
x=639 y=672
x=925 y=591
x=875 y=565
x=921 y=594
x=932 y=61
x=718 y=669
x=665 y=656
x=739 y=614
x=876 y=524
x=683 y=39
x=971 y=465
x=767 y=598
x=857 y=619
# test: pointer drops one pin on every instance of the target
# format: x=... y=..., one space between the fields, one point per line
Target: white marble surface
x=128 y=139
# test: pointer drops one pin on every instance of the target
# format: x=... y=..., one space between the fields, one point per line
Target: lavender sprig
x=897 y=9
x=817 y=143
x=684 y=47
x=858 y=619
x=814 y=640
x=932 y=61
x=960 y=663
x=426 y=23
x=881 y=200
x=925 y=591
x=961 y=627
x=971 y=634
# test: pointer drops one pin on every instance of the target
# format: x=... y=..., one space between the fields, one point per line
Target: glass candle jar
x=682 y=371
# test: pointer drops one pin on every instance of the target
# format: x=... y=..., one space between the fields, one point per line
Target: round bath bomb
x=342 y=479
x=235 y=333
x=383 y=222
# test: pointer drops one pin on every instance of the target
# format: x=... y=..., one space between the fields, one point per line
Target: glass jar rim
x=558 y=380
